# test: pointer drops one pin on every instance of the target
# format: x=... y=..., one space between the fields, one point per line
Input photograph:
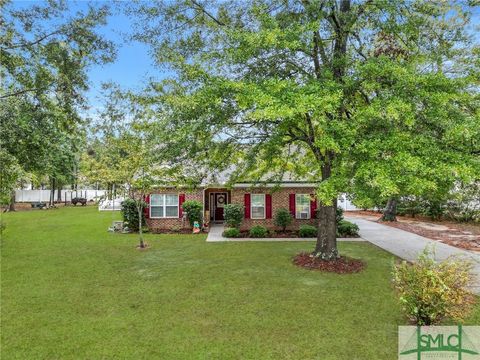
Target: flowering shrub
x=431 y=291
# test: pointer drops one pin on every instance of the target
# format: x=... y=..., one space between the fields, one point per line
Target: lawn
x=71 y=290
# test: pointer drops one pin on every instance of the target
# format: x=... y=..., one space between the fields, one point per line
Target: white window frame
x=164 y=206
x=264 y=207
x=309 y=207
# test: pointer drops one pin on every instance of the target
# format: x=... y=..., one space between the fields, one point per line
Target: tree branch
x=203 y=10
x=34 y=42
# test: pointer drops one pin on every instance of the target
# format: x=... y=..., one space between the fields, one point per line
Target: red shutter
x=268 y=206
x=313 y=206
x=292 y=204
x=246 y=203
x=146 y=210
x=181 y=200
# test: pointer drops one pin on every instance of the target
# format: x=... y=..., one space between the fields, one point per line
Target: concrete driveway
x=408 y=246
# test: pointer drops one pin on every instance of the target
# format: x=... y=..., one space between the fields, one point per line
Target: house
x=260 y=203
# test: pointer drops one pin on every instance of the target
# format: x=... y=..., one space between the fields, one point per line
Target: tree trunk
x=52 y=192
x=140 y=231
x=390 y=211
x=326 y=247
x=59 y=193
x=11 y=205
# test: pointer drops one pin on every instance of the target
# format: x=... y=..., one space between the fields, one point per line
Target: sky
x=132 y=66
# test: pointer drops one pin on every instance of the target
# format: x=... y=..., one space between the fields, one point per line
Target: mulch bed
x=343 y=265
x=283 y=235
x=145 y=247
x=275 y=234
x=179 y=231
x=453 y=237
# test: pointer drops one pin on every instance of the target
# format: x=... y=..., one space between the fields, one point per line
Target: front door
x=219 y=201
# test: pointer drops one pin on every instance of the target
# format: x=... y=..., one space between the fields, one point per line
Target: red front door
x=219 y=201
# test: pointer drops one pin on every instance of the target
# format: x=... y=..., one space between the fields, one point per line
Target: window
x=163 y=206
x=258 y=206
x=302 y=206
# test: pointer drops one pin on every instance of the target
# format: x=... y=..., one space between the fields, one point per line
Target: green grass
x=70 y=290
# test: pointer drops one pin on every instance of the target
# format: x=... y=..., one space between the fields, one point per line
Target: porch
x=214 y=201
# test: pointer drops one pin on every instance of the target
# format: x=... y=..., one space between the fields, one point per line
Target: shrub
x=339 y=215
x=346 y=228
x=434 y=209
x=258 y=231
x=464 y=205
x=410 y=205
x=233 y=215
x=175 y=228
x=130 y=213
x=193 y=208
x=431 y=291
x=307 y=231
x=231 y=232
x=283 y=218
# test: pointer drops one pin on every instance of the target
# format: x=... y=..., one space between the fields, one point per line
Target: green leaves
x=45 y=56
x=375 y=100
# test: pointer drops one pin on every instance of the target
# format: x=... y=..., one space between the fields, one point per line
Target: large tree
x=45 y=52
x=338 y=92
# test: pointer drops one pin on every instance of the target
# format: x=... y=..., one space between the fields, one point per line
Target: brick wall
x=169 y=223
x=280 y=199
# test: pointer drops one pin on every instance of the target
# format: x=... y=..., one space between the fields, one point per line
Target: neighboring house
x=260 y=203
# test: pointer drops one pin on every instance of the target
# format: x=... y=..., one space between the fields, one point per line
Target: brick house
x=164 y=211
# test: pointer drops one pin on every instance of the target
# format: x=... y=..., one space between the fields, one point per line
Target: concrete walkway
x=408 y=246
x=216 y=230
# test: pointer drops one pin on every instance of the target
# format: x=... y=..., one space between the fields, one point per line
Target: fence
x=345 y=204
x=66 y=195
x=110 y=205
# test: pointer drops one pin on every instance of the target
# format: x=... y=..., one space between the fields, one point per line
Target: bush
x=231 y=232
x=434 y=209
x=307 y=231
x=258 y=231
x=346 y=228
x=233 y=215
x=176 y=228
x=130 y=213
x=431 y=291
x=193 y=208
x=283 y=218
x=410 y=205
x=339 y=215
x=463 y=205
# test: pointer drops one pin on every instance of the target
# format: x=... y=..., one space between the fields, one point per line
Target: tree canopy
x=377 y=98
x=45 y=53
